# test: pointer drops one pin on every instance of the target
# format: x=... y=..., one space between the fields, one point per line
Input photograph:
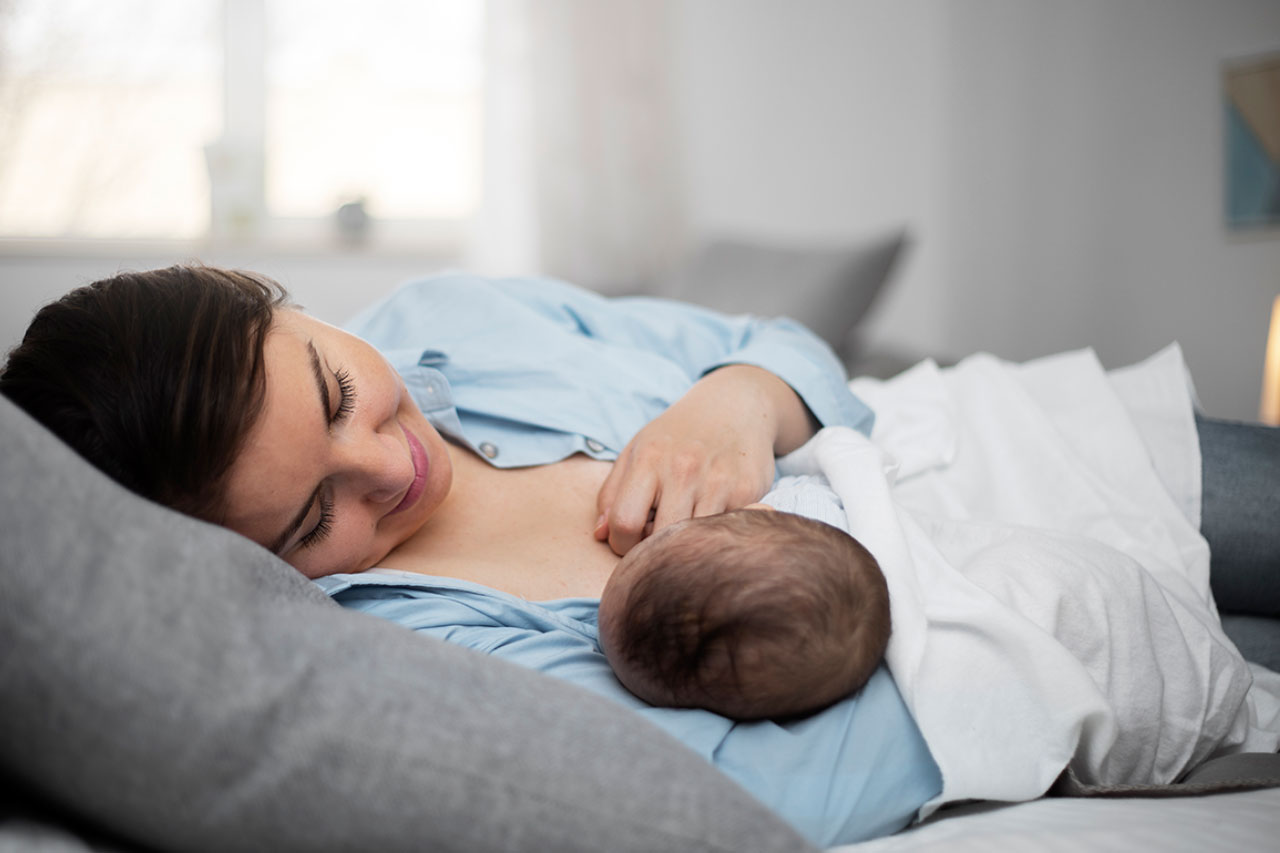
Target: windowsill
x=188 y=249
x=386 y=240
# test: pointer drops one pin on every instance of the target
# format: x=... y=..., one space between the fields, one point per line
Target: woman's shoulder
x=407 y=301
x=452 y=300
x=458 y=285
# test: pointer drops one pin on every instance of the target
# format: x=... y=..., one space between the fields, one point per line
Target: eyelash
x=323 y=526
x=347 y=396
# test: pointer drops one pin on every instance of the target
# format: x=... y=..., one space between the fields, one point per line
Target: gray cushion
x=828 y=288
x=180 y=687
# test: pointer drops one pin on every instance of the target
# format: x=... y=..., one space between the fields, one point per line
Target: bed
x=167 y=685
x=1245 y=820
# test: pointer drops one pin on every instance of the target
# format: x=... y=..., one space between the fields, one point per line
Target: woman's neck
x=526 y=531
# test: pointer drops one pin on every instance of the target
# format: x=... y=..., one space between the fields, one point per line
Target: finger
x=608 y=493
x=709 y=506
x=672 y=507
x=630 y=512
x=601 y=531
x=609 y=488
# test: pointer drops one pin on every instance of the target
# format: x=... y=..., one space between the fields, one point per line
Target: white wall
x=1085 y=186
x=1059 y=163
x=819 y=120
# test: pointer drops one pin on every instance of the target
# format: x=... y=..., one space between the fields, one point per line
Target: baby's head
x=752 y=614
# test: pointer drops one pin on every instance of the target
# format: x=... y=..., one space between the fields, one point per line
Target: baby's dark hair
x=750 y=613
x=153 y=377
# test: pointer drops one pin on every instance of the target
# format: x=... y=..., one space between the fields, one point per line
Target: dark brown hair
x=751 y=614
x=153 y=377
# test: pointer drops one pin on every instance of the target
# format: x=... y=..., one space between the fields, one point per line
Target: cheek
x=349 y=548
x=308 y=566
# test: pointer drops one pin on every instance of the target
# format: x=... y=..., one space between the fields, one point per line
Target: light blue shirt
x=856 y=770
x=530 y=371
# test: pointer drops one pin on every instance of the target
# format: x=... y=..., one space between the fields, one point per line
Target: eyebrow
x=322 y=387
x=322 y=390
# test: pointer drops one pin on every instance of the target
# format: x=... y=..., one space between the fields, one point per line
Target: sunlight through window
x=382 y=106
x=136 y=118
x=104 y=112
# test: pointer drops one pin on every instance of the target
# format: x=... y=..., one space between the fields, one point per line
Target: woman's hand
x=711 y=451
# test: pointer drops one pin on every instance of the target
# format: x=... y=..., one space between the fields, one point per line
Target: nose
x=376 y=465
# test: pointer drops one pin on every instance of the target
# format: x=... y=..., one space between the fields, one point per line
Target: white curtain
x=581 y=177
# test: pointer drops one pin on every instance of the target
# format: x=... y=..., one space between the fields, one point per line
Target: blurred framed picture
x=1251 y=99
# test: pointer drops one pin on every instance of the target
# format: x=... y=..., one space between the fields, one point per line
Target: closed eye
x=323 y=526
x=346 y=405
x=332 y=415
x=346 y=397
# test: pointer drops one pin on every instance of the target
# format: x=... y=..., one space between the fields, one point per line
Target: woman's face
x=341 y=466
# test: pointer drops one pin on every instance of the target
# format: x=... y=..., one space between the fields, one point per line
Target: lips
x=420 y=467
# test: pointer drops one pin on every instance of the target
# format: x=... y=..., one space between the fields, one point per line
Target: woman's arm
x=761 y=388
x=692 y=404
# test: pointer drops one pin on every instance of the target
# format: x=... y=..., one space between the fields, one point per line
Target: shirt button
x=594 y=446
x=489 y=449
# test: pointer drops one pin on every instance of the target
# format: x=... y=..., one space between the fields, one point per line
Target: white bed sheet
x=1248 y=820
x=1018 y=487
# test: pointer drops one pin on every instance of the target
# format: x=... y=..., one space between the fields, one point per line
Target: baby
x=752 y=614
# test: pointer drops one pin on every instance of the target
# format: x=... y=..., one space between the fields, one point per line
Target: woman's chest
x=526 y=531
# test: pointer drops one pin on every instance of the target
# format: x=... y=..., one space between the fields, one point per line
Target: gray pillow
x=179 y=687
x=829 y=289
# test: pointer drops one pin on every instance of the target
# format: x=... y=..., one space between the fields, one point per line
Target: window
x=104 y=108
x=249 y=119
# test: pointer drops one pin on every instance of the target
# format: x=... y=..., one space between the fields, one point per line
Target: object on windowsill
x=353 y=222
x=1269 y=411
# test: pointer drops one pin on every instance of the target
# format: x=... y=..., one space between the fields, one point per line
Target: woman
x=511 y=439
x=234 y=407
x=511 y=435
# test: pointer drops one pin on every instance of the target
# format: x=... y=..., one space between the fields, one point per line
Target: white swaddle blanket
x=1038 y=527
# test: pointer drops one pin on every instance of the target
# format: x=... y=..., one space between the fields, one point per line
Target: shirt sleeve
x=699 y=340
